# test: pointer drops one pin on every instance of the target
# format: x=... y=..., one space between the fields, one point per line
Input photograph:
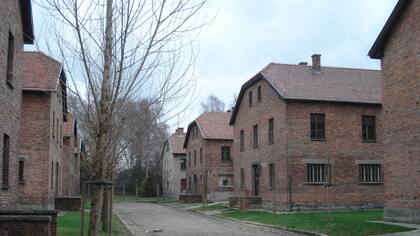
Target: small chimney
x=316 y=62
x=179 y=131
x=303 y=63
x=228 y=111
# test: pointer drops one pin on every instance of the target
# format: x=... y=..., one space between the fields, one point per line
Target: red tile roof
x=301 y=82
x=40 y=72
x=332 y=84
x=176 y=142
x=212 y=125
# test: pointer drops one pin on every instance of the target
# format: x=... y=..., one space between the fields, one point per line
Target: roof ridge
x=332 y=67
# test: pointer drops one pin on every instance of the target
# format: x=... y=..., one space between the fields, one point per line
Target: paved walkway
x=410 y=233
x=147 y=219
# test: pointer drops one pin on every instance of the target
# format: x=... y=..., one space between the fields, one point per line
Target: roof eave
x=27 y=21
x=376 y=52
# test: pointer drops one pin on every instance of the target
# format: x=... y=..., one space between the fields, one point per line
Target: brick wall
x=212 y=170
x=10 y=98
x=401 y=105
x=35 y=135
x=293 y=149
x=42 y=145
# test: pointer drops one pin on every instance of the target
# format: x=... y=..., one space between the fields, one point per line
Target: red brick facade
x=398 y=47
x=10 y=93
x=290 y=150
x=42 y=135
x=206 y=171
x=71 y=158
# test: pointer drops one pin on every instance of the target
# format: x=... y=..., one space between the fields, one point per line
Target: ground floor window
x=183 y=184
x=20 y=170
x=318 y=173
x=369 y=173
x=271 y=176
x=242 y=181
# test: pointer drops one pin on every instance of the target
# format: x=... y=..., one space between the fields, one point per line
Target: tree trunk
x=105 y=210
x=104 y=119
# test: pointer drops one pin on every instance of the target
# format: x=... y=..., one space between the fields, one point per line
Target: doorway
x=256 y=168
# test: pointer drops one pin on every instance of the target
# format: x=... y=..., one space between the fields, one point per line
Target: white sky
x=246 y=35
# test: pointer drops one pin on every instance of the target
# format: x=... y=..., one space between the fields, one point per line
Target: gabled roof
x=45 y=74
x=40 y=72
x=377 y=50
x=27 y=22
x=332 y=84
x=212 y=125
x=176 y=142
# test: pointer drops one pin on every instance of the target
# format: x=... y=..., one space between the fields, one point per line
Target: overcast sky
x=246 y=35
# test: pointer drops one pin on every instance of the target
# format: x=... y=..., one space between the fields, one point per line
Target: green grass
x=69 y=225
x=213 y=207
x=352 y=223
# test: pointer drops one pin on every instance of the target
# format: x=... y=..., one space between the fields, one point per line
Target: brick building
x=174 y=165
x=15 y=30
x=71 y=158
x=209 y=162
x=44 y=109
x=301 y=129
x=398 y=47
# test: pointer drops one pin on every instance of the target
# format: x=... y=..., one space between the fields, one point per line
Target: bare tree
x=213 y=104
x=120 y=50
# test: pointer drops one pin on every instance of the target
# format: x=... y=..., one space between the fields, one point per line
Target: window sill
x=371 y=183
x=21 y=182
x=318 y=183
x=319 y=139
x=368 y=141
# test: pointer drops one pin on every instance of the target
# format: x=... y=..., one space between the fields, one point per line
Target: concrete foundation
x=403 y=215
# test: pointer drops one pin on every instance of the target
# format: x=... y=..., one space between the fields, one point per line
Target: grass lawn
x=69 y=225
x=346 y=223
x=213 y=207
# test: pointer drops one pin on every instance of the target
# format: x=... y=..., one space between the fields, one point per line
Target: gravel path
x=147 y=219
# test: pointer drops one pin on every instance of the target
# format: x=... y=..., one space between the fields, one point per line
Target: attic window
x=259 y=94
x=250 y=98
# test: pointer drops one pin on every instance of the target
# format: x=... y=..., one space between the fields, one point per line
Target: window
x=189 y=183
x=6 y=156
x=195 y=157
x=368 y=128
x=318 y=173
x=201 y=155
x=242 y=141
x=242 y=180
x=225 y=153
x=225 y=182
x=255 y=136
x=183 y=184
x=259 y=94
x=52 y=174
x=196 y=132
x=189 y=158
x=56 y=129
x=183 y=164
x=271 y=131
x=53 y=126
x=369 y=173
x=250 y=98
x=20 y=173
x=271 y=176
x=317 y=126
x=10 y=56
